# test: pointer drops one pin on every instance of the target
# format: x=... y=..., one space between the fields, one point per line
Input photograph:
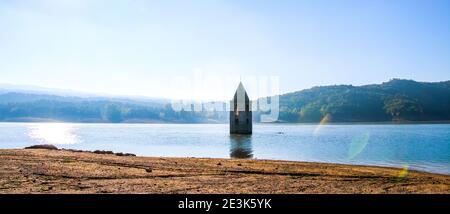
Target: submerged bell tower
x=240 y=112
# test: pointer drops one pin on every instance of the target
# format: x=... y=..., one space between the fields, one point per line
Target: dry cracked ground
x=58 y=171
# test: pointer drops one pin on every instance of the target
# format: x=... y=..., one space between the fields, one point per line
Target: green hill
x=396 y=100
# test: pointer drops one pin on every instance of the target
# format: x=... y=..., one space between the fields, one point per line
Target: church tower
x=240 y=112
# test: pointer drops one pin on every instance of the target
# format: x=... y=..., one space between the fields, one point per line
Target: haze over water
x=424 y=147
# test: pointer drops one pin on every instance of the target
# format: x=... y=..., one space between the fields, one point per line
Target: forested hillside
x=403 y=100
x=396 y=100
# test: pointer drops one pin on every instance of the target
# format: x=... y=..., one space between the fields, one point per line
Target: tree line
x=396 y=100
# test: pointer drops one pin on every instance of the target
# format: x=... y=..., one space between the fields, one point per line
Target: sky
x=200 y=49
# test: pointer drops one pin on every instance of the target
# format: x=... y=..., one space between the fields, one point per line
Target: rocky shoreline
x=53 y=170
x=52 y=147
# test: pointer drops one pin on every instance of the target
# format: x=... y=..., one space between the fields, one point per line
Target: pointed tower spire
x=240 y=113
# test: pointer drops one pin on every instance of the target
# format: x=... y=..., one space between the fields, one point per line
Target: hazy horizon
x=139 y=48
x=81 y=93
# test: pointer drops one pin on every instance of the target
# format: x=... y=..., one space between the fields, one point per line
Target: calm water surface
x=420 y=147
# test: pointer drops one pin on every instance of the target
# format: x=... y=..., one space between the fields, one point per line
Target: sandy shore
x=57 y=171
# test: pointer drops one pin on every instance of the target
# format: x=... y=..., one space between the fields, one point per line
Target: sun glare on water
x=54 y=133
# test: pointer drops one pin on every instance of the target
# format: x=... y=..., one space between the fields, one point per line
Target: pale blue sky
x=138 y=47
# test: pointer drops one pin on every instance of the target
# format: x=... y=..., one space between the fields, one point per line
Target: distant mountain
x=28 y=89
x=26 y=92
x=32 y=104
x=396 y=100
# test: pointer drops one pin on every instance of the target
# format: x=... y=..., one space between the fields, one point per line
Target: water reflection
x=54 y=133
x=241 y=146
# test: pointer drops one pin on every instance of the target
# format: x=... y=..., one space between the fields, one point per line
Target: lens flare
x=403 y=172
x=54 y=133
x=357 y=145
x=325 y=120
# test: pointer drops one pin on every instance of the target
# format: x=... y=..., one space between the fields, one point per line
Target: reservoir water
x=423 y=147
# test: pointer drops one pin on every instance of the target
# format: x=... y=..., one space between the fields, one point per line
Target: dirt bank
x=57 y=171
